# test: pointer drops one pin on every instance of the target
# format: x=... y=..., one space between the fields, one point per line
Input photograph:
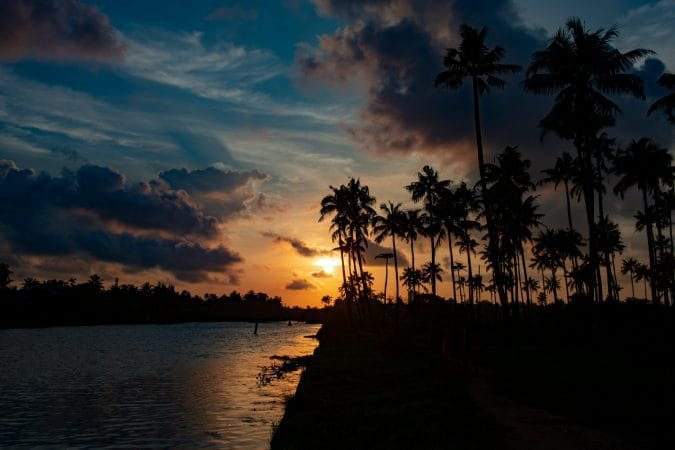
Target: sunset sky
x=191 y=142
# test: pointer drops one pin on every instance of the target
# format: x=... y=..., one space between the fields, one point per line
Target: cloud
x=321 y=274
x=395 y=48
x=211 y=179
x=300 y=284
x=650 y=26
x=299 y=246
x=56 y=30
x=223 y=71
x=235 y=11
x=93 y=212
x=375 y=249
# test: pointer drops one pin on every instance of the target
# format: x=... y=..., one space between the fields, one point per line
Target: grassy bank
x=368 y=391
x=448 y=378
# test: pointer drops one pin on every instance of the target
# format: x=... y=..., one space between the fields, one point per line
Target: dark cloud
x=151 y=205
x=375 y=249
x=300 y=284
x=235 y=11
x=321 y=274
x=397 y=47
x=211 y=179
x=299 y=246
x=55 y=30
x=93 y=213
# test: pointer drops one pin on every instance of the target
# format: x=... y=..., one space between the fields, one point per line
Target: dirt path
x=532 y=428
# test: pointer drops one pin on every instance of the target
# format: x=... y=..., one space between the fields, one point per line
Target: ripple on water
x=185 y=385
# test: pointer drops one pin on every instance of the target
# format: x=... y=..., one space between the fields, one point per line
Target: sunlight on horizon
x=328 y=265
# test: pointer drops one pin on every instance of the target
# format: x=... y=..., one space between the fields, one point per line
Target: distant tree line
x=57 y=302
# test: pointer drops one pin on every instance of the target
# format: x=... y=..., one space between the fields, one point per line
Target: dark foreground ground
x=560 y=379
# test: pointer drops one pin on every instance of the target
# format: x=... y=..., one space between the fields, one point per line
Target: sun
x=327 y=264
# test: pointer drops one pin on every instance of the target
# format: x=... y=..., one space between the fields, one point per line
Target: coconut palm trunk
x=393 y=242
x=650 y=246
x=452 y=267
x=492 y=233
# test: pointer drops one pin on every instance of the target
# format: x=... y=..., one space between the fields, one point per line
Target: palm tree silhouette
x=548 y=249
x=336 y=204
x=431 y=272
x=412 y=226
x=451 y=211
x=386 y=257
x=667 y=102
x=412 y=279
x=630 y=265
x=391 y=223
x=609 y=243
x=428 y=188
x=648 y=167
x=581 y=68
x=473 y=60
x=563 y=171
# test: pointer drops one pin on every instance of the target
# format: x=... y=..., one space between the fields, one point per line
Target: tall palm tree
x=630 y=265
x=412 y=227
x=428 y=188
x=451 y=211
x=581 y=68
x=648 y=167
x=360 y=212
x=474 y=61
x=391 y=223
x=386 y=257
x=336 y=204
x=667 y=102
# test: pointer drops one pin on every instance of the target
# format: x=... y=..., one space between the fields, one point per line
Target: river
x=180 y=385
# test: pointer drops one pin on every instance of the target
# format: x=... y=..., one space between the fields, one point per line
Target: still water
x=185 y=385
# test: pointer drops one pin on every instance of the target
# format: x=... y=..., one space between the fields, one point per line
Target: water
x=185 y=385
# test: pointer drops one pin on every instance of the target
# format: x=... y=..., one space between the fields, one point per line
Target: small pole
x=255 y=330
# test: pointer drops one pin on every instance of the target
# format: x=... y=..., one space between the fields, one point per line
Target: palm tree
x=475 y=61
x=386 y=257
x=412 y=279
x=360 y=213
x=428 y=188
x=458 y=267
x=581 y=68
x=562 y=172
x=548 y=250
x=531 y=285
x=337 y=204
x=630 y=265
x=648 y=167
x=391 y=223
x=451 y=210
x=431 y=272
x=411 y=228
x=667 y=102
x=609 y=243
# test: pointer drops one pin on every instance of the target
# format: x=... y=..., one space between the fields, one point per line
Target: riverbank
x=363 y=391
x=559 y=379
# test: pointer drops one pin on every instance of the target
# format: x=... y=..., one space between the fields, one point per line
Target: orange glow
x=327 y=264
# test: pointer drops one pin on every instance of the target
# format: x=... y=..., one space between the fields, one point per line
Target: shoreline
x=541 y=384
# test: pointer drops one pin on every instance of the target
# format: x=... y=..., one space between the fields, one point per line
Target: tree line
x=58 y=302
x=497 y=218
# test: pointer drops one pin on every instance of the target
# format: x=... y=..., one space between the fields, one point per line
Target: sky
x=192 y=142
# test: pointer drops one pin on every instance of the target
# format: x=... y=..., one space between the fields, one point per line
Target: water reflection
x=183 y=385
